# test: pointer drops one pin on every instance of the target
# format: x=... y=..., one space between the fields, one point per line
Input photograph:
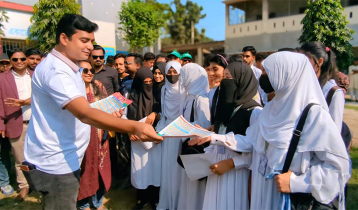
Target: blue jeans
x=4 y=176
x=95 y=199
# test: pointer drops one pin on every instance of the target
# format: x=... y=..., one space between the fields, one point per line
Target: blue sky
x=214 y=22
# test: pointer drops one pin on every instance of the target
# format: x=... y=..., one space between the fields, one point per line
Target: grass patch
x=352 y=194
x=351 y=107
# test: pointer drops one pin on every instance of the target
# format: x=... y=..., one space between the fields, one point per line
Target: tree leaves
x=47 y=13
x=325 y=22
x=141 y=23
x=3 y=18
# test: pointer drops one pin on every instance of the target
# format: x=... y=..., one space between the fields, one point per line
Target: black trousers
x=151 y=194
x=59 y=191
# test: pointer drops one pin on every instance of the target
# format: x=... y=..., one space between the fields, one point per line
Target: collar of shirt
x=67 y=61
x=18 y=75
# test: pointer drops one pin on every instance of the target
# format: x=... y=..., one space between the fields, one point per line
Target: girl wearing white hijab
x=320 y=165
x=195 y=87
x=171 y=171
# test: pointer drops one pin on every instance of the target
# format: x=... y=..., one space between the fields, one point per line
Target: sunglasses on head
x=16 y=59
x=85 y=70
x=101 y=57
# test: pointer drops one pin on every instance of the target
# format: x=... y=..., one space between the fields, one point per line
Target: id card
x=221 y=149
x=263 y=164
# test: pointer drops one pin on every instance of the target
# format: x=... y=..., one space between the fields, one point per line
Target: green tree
x=47 y=13
x=3 y=18
x=140 y=23
x=325 y=22
x=180 y=22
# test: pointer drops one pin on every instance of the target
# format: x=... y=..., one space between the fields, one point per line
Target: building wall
x=18 y=25
x=276 y=33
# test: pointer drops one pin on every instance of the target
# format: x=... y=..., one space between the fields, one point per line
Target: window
x=246 y=11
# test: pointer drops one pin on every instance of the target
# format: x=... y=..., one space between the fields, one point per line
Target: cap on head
x=186 y=55
x=175 y=53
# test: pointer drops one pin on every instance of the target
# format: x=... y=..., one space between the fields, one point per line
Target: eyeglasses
x=85 y=70
x=5 y=63
x=16 y=59
x=127 y=63
x=101 y=57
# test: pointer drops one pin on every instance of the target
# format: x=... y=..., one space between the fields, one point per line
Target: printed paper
x=182 y=128
x=197 y=166
x=112 y=103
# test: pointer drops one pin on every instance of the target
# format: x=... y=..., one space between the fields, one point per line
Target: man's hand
x=133 y=137
x=2 y=134
x=199 y=141
x=222 y=167
x=16 y=102
x=146 y=132
x=150 y=119
x=283 y=182
x=118 y=113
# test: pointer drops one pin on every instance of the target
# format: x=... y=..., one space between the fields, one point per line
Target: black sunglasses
x=85 y=70
x=16 y=59
x=101 y=57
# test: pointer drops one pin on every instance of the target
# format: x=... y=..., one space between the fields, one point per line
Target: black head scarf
x=157 y=86
x=235 y=92
x=141 y=95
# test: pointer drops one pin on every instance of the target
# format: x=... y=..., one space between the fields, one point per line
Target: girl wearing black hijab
x=158 y=83
x=146 y=157
x=227 y=188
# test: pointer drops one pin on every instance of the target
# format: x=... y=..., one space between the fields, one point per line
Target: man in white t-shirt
x=59 y=129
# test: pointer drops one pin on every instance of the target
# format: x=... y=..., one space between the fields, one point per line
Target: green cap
x=186 y=55
x=176 y=53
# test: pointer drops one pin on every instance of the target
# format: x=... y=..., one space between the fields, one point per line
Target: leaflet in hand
x=112 y=103
x=182 y=128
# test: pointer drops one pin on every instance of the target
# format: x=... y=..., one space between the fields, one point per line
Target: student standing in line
x=320 y=165
x=353 y=77
x=324 y=63
x=158 y=83
x=195 y=87
x=170 y=110
x=228 y=187
x=146 y=162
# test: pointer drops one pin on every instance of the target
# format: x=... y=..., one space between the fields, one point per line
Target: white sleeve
x=322 y=180
x=202 y=112
x=336 y=108
x=237 y=142
x=243 y=160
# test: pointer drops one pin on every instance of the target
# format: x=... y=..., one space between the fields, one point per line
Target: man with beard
x=133 y=62
x=34 y=57
x=119 y=60
x=105 y=74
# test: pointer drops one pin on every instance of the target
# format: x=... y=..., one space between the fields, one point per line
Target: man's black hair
x=98 y=47
x=251 y=49
x=33 y=51
x=110 y=59
x=120 y=55
x=69 y=23
x=260 y=56
x=138 y=58
x=161 y=56
x=13 y=51
x=287 y=49
x=235 y=58
x=149 y=56
x=171 y=57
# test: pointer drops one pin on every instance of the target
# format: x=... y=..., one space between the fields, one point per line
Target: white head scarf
x=194 y=80
x=295 y=83
x=171 y=99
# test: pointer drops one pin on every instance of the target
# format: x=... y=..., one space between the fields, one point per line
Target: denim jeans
x=95 y=199
x=59 y=191
x=4 y=176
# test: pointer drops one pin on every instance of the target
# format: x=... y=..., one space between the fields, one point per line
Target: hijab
x=157 y=86
x=141 y=94
x=170 y=94
x=238 y=91
x=295 y=83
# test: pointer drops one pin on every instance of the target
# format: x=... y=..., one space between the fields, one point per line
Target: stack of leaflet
x=112 y=103
x=182 y=128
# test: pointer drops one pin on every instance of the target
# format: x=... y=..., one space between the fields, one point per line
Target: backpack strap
x=296 y=137
x=331 y=93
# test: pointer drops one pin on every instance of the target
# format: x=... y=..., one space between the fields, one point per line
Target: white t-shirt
x=23 y=86
x=56 y=140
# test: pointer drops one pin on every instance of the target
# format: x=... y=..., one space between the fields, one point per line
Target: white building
x=273 y=24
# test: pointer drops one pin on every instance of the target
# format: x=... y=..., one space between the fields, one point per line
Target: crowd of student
x=257 y=106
